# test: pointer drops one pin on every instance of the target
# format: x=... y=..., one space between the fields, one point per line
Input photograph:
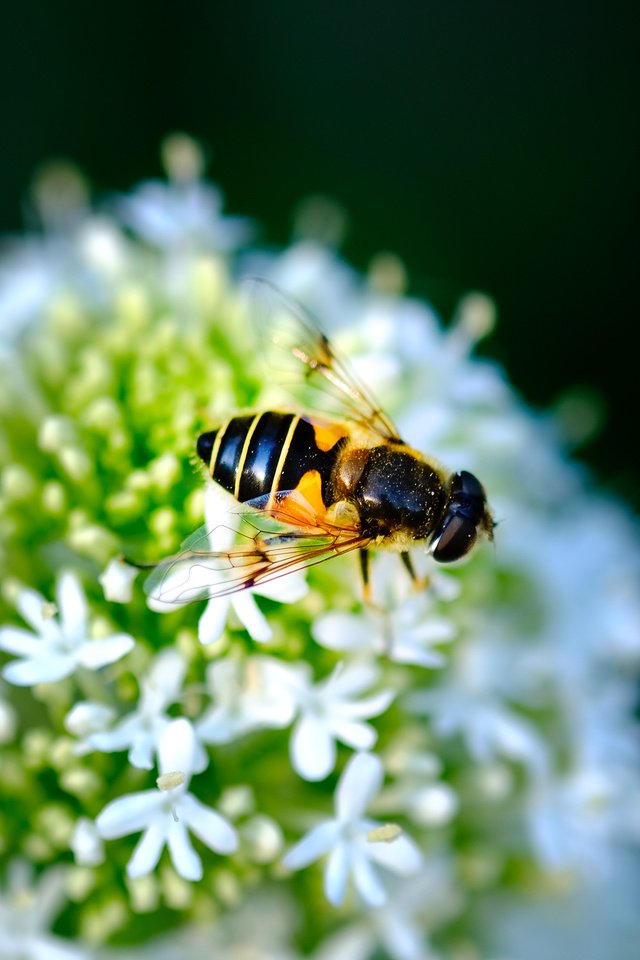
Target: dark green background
x=492 y=145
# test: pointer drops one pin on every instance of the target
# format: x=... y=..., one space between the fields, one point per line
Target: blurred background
x=492 y=146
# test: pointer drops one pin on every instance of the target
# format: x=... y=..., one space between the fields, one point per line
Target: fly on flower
x=313 y=487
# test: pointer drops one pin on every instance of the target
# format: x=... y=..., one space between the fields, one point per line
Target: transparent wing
x=298 y=350
x=273 y=541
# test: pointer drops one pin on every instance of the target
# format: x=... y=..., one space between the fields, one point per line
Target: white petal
x=42 y=946
x=251 y=617
x=186 y=861
x=117 y=581
x=313 y=845
x=219 y=726
x=367 y=882
x=371 y=706
x=208 y=825
x=86 y=718
x=176 y=747
x=20 y=642
x=404 y=651
x=400 y=855
x=347 y=681
x=403 y=938
x=143 y=749
x=360 y=782
x=343 y=631
x=129 y=814
x=119 y=738
x=43 y=670
x=312 y=748
x=213 y=621
x=220 y=511
x=32 y=606
x=200 y=758
x=336 y=874
x=288 y=589
x=98 y=653
x=166 y=676
x=73 y=606
x=148 y=849
x=49 y=895
x=86 y=843
x=355 y=734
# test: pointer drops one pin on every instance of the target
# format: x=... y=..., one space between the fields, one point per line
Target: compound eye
x=457 y=538
x=465 y=483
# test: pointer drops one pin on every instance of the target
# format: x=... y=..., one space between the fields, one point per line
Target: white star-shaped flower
x=406 y=634
x=354 y=842
x=490 y=728
x=189 y=580
x=170 y=215
x=140 y=731
x=250 y=694
x=27 y=911
x=472 y=702
x=329 y=711
x=415 y=906
x=58 y=647
x=167 y=814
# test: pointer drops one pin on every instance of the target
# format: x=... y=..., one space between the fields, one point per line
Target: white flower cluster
x=463 y=759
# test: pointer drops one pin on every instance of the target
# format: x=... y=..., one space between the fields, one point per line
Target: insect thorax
x=394 y=491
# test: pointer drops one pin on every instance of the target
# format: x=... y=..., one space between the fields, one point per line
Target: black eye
x=465 y=484
x=455 y=537
x=464 y=514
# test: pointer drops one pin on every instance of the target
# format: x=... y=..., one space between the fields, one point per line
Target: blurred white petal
x=251 y=617
x=367 y=882
x=34 y=609
x=72 y=605
x=26 y=673
x=360 y=782
x=313 y=751
x=117 y=579
x=342 y=631
x=185 y=859
x=176 y=747
x=86 y=718
x=19 y=642
x=208 y=825
x=99 y=653
x=128 y=814
x=147 y=851
x=400 y=855
x=336 y=874
x=355 y=734
x=213 y=621
x=317 y=842
x=86 y=843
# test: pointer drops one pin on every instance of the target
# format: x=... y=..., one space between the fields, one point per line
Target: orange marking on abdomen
x=304 y=505
x=327 y=434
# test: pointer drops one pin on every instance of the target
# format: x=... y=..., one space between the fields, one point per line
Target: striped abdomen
x=263 y=453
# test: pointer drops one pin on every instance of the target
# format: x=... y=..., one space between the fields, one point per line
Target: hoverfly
x=314 y=487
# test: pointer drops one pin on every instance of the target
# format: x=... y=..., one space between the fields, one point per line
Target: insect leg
x=364 y=570
x=419 y=582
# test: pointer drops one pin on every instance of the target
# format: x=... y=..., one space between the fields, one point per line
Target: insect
x=313 y=487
